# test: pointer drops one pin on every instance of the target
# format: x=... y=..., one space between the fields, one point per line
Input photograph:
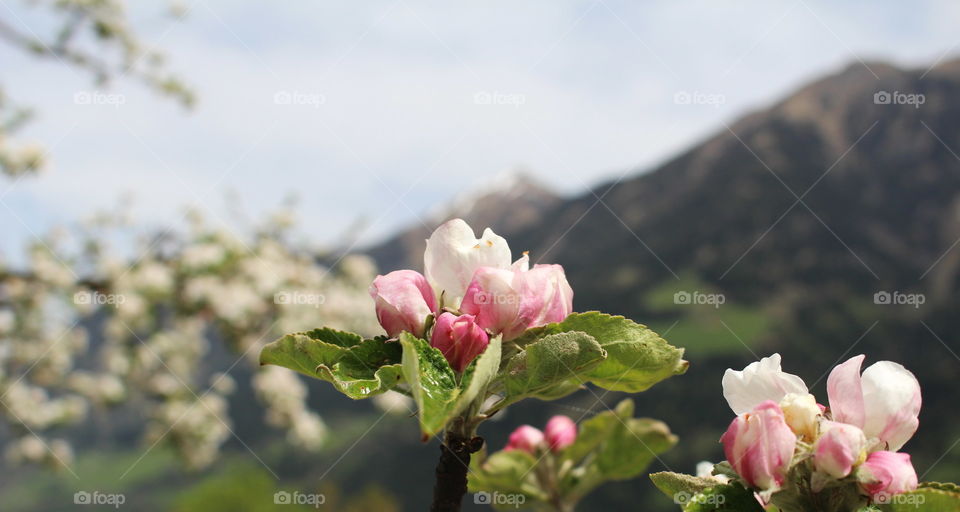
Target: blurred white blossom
x=157 y=314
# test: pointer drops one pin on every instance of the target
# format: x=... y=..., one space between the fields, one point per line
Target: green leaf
x=560 y=390
x=671 y=483
x=632 y=447
x=478 y=375
x=594 y=431
x=432 y=381
x=637 y=357
x=697 y=494
x=358 y=368
x=507 y=472
x=549 y=361
x=368 y=369
x=929 y=496
x=303 y=351
x=613 y=446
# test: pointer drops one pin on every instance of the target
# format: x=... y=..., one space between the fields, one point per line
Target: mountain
x=879 y=185
x=881 y=208
x=797 y=214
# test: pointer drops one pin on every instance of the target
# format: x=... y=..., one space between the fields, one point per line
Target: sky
x=380 y=111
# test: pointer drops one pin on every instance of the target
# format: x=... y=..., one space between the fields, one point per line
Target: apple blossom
x=560 y=432
x=459 y=338
x=403 y=299
x=454 y=253
x=884 y=401
x=760 y=381
x=525 y=438
x=759 y=445
x=885 y=473
x=512 y=301
x=839 y=448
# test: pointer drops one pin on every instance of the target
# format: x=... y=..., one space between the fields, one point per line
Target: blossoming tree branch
x=476 y=333
x=786 y=452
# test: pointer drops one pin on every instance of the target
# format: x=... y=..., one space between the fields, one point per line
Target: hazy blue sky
x=372 y=109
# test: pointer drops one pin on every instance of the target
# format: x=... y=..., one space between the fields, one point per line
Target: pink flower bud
x=459 y=338
x=525 y=438
x=838 y=449
x=759 y=445
x=884 y=401
x=561 y=431
x=403 y=301
x=885 y=474
x=511 y=301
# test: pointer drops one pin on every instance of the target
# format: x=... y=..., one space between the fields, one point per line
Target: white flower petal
x=891 y=397
x=454 y=253
x=759 y=381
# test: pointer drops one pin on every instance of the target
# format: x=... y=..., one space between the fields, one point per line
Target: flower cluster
x=478 y=332
x=472 y=290
x=555 y=468
x=782 y=439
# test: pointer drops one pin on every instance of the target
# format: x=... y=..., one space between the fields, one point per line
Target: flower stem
x=451 y=474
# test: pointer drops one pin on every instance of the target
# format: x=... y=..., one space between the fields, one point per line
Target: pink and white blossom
x=454 y=253
x=839 y=448
x=403 y=300
x=759 y=446
x=459 y=338
x=887 y=473
x=510 y=301
x=884 y=401
x=760 y=381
